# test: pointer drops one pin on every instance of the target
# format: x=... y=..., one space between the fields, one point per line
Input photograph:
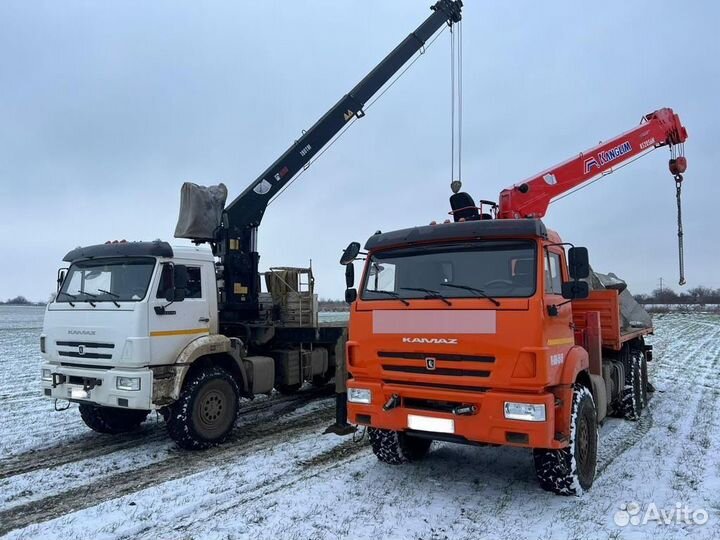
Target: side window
x=553 y=276
x=381 y=277
x=194 y=286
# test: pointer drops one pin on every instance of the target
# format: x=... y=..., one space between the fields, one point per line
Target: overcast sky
x=107 y=107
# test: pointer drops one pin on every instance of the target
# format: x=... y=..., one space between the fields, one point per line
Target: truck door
x=179 y=323
x=559 y=332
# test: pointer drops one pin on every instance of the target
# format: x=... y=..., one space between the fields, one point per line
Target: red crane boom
x=530 y=199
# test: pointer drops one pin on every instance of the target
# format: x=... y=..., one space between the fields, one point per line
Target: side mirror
x=575 y=290
x=61 y=277
x=578 y=263
x=350 y=295
x=350 y=253
x=349 y=275
x=180 y=276
x=176 y=292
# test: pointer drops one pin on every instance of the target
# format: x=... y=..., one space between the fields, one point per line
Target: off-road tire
x=632 y=401
x=396 y=447
x=571 y=470
x=110 y=419
x=205 y=413
x=644 y=383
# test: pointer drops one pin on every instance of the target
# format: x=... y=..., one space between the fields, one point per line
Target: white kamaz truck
x=187 y=331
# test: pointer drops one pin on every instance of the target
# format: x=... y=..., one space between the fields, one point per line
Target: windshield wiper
x=111 y=294
x=91 y=295
x=472 y=289
x=69 y=296
x=430 y=293
x=393 y=294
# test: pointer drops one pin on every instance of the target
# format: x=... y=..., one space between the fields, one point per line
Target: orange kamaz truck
x=491 y=329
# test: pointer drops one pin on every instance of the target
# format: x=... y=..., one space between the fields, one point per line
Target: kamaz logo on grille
x=81 y=332
x=81 y=350
x=430 y=363
x=430 y=341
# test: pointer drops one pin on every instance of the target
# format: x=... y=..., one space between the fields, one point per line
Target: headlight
x=46 y=375
x=359 y=395
x=42 y=344
x=128 y=383
x=524 y=411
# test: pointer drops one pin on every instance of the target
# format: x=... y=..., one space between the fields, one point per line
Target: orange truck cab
x=479 y=332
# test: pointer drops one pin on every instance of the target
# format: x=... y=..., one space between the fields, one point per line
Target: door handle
x=203 y=319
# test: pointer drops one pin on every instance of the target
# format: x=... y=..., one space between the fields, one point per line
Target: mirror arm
x=553 y=309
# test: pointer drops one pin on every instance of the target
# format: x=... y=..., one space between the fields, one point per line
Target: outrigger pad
x=201 y=211
x=463 y=207
x=337 y=429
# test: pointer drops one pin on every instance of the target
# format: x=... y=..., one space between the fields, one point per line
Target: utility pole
x=661 y=287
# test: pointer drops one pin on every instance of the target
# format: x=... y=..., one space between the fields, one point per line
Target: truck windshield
x=107 y=280
x=505 y=269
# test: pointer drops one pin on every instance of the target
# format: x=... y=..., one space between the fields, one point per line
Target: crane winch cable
x=456 y=104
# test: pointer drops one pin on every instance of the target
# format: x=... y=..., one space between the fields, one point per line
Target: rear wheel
x=571 y=470
x=206 y=410
x=644 y=383
x=635 y=392
x=110 y=419
x=396 y=447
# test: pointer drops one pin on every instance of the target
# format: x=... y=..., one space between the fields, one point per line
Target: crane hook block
x=678 y=165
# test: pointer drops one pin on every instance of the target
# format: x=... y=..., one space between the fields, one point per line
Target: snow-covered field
x=280 y=477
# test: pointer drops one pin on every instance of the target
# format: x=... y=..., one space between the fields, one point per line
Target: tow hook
x=393 y=402
x=464 y=410
x=58 y=379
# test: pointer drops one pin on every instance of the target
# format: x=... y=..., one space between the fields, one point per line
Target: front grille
x=88 y=344
x=436 y=370
x=438 y=356
x=75 y=354
x=90 y=350
x=439 y=386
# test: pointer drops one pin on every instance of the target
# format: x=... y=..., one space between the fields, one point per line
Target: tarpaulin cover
x=633 y=314
x=201 y=210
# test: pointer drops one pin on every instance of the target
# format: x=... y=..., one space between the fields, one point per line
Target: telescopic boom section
x=235 y=241
x=530 y=199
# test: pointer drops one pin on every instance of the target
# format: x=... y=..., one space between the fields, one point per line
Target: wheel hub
x=211 y=408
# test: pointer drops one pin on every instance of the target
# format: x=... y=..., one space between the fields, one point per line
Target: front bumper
x=485 y=424
x=100 y=386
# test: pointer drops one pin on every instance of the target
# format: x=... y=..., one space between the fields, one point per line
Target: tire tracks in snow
x=674 y=432
x=251 y=437
x=673 y=367
x=231 y=498
x=94 y=445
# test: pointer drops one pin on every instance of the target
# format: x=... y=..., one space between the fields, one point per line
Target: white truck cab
x=136 y=327
x=111 y=321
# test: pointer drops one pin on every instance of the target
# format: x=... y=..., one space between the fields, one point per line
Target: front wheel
x=571 y=470
x=111 y=419
x=206 y=410
x=396 y=447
